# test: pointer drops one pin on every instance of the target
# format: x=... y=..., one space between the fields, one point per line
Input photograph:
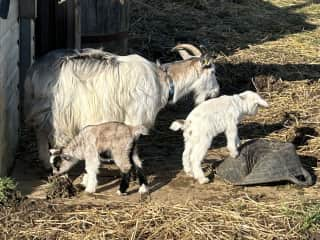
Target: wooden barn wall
x=9 y=94
x=105 y=24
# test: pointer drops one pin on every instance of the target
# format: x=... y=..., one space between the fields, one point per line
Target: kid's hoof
x=121 y=194
x=143 y=189
x=204 y=180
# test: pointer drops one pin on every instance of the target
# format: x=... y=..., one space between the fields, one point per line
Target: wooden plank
x=27 y=50
x=12 y=19
x=43 y=30
x=28 y=9
x=70 y=24
x=9 y=94
x=73 y=34
x=105 y=19
x=88 y=16
x=61 y=28
x=8 y=40
x=77 y=24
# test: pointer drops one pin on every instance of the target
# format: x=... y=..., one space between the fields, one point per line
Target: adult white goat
x=210 y=118
x=67 y=90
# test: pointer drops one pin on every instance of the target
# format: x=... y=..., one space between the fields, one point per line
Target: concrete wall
x=9 y=93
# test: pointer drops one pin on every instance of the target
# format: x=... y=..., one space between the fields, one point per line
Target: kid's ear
x=54 y=151
x=242 y=97
x=263 y=103
x=245 y=94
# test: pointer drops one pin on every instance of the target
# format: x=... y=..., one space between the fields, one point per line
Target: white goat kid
x=115 y=139
x=67 y=90
x=208 y=120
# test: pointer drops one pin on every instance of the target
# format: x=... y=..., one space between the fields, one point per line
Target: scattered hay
x=264 y=83
x=227 y=26
x=244 y=217
x=60 y=187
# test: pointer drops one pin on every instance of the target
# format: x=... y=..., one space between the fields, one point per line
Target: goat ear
x=54 y=151
x=263 y=103
x=214 y=55
x=244 y=95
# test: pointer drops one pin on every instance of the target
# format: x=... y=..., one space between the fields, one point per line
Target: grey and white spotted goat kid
x=113 y=138
x=210 y=118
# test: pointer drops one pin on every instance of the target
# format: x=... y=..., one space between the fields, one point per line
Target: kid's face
x=61 y=164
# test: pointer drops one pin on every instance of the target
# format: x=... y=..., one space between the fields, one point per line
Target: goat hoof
x=143 y=189
x=204 y=180
x=121 y=193
x=90 y=190
x=234 y=154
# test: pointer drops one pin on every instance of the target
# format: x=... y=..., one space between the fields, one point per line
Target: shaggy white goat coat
x=66 y=91
x=107 y=92
x=208 y=120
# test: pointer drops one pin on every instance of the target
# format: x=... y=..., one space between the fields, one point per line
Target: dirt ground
x=270 y=46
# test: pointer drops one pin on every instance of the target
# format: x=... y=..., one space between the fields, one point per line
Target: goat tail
x=140 y=130
x=177 y=125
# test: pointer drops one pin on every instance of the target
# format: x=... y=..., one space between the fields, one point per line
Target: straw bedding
x=243 y=217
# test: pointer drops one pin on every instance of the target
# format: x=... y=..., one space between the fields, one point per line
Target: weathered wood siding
x=9 y=94
x=105 y=24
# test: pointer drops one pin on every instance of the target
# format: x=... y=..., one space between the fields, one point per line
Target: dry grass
x=240 y=218
x=297 y=108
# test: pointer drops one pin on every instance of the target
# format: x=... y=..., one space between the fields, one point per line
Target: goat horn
x=187 y=47
x=214 y=54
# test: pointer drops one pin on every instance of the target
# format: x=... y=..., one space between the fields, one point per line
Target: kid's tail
x=177 y=125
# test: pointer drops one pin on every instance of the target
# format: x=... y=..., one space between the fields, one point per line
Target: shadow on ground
x=226 y=26
x=237 y=77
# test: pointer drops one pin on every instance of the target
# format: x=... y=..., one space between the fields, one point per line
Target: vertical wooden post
x=77 y=24
x=73 y=31
x=58 y=25
x=27 y=15
x=26 y=57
